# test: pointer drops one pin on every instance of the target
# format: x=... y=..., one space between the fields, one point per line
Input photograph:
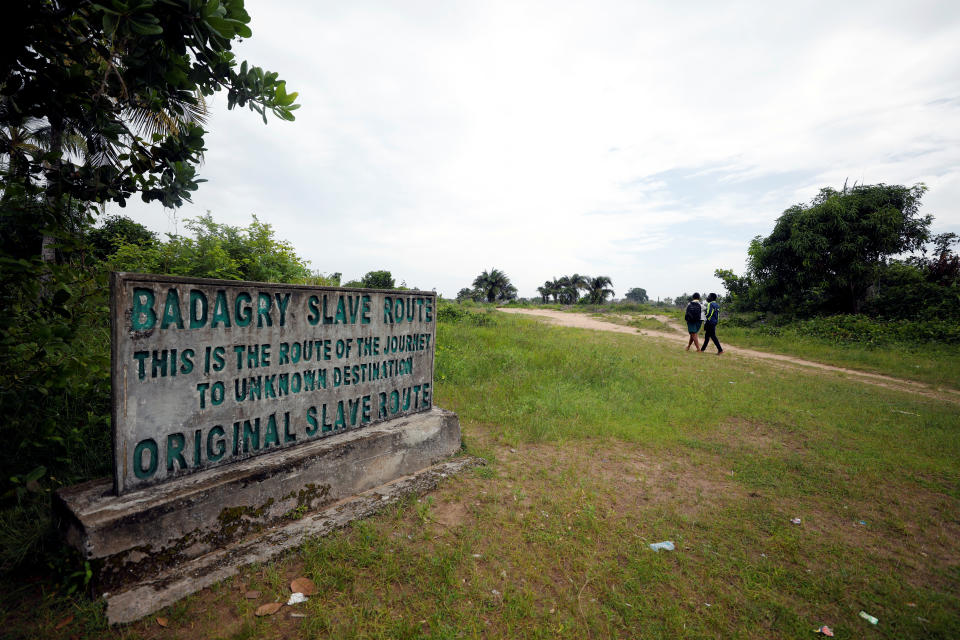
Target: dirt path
x=582 y=321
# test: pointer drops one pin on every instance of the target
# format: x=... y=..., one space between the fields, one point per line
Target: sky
x=645 y=141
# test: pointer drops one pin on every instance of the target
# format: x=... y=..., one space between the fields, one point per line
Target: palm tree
x=495 y=285
x=544 y=293
x=579 y=282
x=597 y=288
x=567 y=292
x=554 y=287
x=82 y=139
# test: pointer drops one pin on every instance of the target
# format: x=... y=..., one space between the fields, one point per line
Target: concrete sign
x=209 y=372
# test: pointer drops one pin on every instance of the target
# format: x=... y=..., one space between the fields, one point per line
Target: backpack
x=713 y=313
x=693 y=312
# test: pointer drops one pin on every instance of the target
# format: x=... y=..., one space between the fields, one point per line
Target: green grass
x=932 y=363
x=533 y=382
x=647 y=323
x=597 y=445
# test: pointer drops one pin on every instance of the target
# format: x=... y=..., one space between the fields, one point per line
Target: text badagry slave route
x=207 y=372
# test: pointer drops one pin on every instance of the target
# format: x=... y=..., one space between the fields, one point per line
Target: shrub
x=463 y=313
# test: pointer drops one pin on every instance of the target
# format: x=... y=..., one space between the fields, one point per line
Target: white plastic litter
x=869 y=618
x=296 y=598
x=666 y=545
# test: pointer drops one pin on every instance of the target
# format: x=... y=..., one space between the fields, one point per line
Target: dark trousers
x=710 y=330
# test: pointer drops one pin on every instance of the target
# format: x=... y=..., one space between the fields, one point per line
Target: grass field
x=924 y=361
x=597 y=445
x=931 y=363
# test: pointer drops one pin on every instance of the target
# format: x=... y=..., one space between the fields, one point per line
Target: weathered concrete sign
x=209 y=372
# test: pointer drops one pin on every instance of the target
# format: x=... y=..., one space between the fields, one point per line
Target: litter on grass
x=824 y=630
x=869 y=618
x=666 y=545
x=296 y=598
x=795 y=520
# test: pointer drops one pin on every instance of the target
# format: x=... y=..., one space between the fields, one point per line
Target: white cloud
x=636 y=140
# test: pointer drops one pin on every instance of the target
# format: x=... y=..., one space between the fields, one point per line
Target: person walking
x=712 y=318
x=694 y=317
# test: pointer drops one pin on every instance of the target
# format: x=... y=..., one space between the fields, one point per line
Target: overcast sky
x=644 y=141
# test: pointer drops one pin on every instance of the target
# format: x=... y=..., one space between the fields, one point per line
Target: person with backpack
x=713 y=317
x=694 y=317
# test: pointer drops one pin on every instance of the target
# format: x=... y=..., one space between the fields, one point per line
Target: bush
x=55 y=394
x=852 y=329
x=470 y=314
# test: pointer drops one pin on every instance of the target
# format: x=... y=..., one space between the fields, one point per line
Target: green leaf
x=36 y=474
x=146 y=29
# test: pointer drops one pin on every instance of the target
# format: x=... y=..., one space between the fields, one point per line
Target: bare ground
x=679 y=335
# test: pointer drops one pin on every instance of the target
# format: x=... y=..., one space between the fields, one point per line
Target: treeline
x=861 y=250
x=495 y=286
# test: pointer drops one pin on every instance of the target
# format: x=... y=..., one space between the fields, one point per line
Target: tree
x=554 y=288
x=637 y=294
x=828 y=256
x=104 y=101
x=578 y=282
x=115 y=231
x=569 y=288
x=598 y=289
x=378 y=280
x=217 y=251
x=494 y=285
x=944 y=267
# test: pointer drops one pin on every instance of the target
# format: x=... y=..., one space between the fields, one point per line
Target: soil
x=679 y=335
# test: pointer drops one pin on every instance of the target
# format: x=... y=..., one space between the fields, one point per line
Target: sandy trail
x=679 y=335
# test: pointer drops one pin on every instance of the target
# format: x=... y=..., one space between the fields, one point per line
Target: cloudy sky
x=647 y=141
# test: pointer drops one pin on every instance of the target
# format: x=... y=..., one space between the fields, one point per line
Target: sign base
x=153 y=546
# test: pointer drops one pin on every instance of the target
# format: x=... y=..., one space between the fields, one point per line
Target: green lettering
x=186 y=360
x=243 y=314
x=171 y=310
x=215 y=450
x=263 y=309
x=221 y=313
x=365 y=310
x=175 y=444
x=198 y=309
x=354 y=303
x=141 y=357
x=388 y=309
x=251 y=432
x=272 y=436
x=314 y=316
x=142 y=316
x=150 y=446
x=282 y=307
